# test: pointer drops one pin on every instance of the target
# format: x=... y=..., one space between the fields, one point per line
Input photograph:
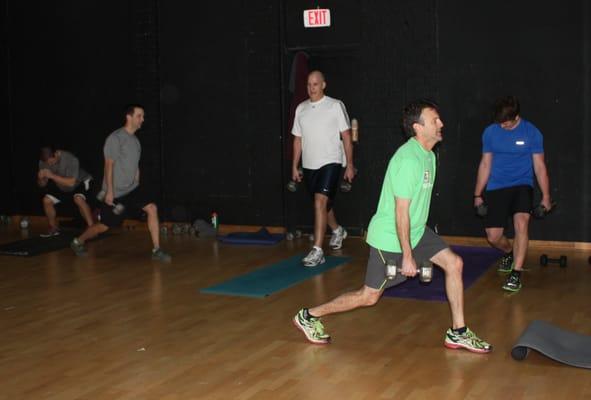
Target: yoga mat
x=273 y=278
x=261 y=237
x=558 y=344
x=477 y=260
x=38 y=245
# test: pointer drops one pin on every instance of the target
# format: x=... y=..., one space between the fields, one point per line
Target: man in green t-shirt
x=398 y=234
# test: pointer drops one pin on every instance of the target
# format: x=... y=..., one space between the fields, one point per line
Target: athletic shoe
x=468 y=340
x=77 y=247
x=513 y=283
x=506 y=263
x=160 y=255
x=336 y=240
x=50 y=233
x=314 y=257
x=312 y=328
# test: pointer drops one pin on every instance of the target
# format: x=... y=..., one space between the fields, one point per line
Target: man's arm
x=542 y=178
x=409 y=266
x=109 y=180
x=348 y=146
x=482 y=177
x=60 y=180
x=297 y=154
x=41 y=179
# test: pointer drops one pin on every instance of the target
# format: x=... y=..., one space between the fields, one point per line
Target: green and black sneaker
x=513 y=283
x=506 y=263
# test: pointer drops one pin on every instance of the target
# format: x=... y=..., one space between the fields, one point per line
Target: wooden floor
x=116 y=325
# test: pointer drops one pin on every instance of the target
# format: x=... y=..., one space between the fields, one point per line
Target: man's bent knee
x=79 y=200
x=151 y=208
x=370 y=296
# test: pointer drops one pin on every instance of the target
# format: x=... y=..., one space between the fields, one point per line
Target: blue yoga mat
x=261 y=237
x=477 y=260
x=273 y=278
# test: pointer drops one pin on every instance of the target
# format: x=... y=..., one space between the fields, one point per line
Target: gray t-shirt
x=67 y=166
x=125 y=150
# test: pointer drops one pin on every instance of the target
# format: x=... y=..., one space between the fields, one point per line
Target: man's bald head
x=316 y=85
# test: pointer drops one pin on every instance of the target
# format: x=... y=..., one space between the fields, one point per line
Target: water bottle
x=214 y=220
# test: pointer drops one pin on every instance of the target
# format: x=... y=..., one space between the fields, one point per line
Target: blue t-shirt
x=512 y=151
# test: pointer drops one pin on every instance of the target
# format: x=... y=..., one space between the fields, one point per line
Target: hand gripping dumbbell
x=425 y=271
x=540 y=212
x=292 y=185
x=346 y=186
x=545 y=260
x=118 y=208
x=481 y=210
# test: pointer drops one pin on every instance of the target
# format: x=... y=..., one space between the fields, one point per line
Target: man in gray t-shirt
x=121 y=193
x=62 y=181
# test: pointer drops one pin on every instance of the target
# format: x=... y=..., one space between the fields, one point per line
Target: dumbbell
x=292 y=185
x=24 y=223
x=425 y=271
x=346 y=186
x=118 y=208
x=545 y=260
x=177 y=229
x=540 y=212
x=481 y=210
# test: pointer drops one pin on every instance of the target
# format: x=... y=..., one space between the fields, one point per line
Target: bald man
x=322 y=139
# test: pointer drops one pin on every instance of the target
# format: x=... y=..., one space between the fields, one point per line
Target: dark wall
x=6 y=203
x=71 y=72
x=535 y=51
x=221 y=110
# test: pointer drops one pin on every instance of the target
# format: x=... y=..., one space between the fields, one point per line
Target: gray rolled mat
x=560 y=345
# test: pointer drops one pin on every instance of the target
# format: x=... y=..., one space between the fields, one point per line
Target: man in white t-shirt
x=322 y=139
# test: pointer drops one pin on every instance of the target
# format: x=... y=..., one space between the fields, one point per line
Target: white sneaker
x=336 y=240
x=314 y=257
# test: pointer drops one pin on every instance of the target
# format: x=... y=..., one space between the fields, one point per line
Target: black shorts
x=58 y=196
x=324 y=180
x=133 y=203
x=506 y=202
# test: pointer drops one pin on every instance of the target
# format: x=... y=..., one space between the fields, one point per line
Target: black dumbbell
x=425 y=271
x=292 y=185
x=540 y=212
x=481 y=210
x=346 y=186
x=545 y=260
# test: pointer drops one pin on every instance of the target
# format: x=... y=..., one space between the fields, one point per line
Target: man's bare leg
x=49 y=209
x=452 y=266
x=84 y=209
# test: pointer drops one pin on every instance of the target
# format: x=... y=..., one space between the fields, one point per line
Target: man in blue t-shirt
x=512 y=152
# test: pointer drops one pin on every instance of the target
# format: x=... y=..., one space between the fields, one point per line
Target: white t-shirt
x=320 y=125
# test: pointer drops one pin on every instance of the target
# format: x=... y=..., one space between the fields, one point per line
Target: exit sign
x=317 y=18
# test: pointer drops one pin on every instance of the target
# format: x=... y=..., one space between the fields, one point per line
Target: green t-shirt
x=410 y=175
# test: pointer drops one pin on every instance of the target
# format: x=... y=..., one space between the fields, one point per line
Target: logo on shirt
x=520 y=142
x=427 y=179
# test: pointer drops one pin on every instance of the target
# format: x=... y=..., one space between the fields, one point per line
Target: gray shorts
x=429 y=245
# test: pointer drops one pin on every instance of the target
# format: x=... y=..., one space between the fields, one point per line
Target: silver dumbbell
x=118 y=208
x=425 y=271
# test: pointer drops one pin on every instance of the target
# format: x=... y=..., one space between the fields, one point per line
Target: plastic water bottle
x=214 y=220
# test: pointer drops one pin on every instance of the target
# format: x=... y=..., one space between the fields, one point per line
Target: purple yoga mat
x=476 y=261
